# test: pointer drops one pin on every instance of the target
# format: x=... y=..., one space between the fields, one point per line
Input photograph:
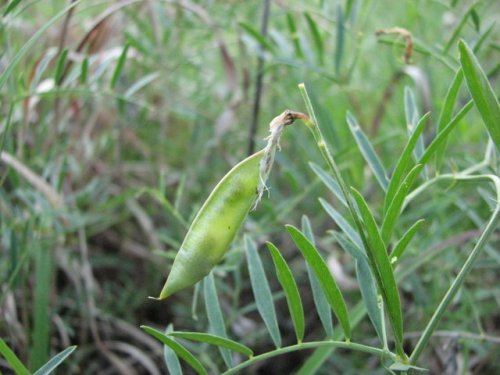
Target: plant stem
x=309 y=345
x=320 y=141
x=466 y=268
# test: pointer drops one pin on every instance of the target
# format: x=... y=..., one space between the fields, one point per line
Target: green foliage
x=117 y=119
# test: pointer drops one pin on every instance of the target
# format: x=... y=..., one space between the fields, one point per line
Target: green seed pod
x=223 y=213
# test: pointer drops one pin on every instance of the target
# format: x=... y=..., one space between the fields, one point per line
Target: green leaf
x=404 y=162
x=481 y=91
x=12 y=359
x=289 y=285
x=330 y=288
x=219 y=341
x=11 y=6
x=84 y=69
x=394 y=209
x=180 y=350
x=119 y=66
x=262 y=292
x=447 y=111
x=382 y=269
x=61 y=63
x=329 y=182
x=368 y=152
x=316 y=36
x=367 y=283
x=294 y=35
x=214 y=314
x=171 y=359
x=411 y=113
x=342 y=223
x=263 y=42
x=322 y=307
x=55 y=361
x=402 y=244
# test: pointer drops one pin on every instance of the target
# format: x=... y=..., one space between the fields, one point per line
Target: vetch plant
x=375 y=248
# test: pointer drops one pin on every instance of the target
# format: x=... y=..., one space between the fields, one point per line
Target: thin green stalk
x=310 y=345
x=466 y=268
x=320 y=141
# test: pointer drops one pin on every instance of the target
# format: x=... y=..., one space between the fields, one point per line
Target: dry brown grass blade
x=35 y=180
x=406 y=35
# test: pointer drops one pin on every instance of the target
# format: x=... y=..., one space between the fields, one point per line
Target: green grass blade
x=342 y=223
x=367 y=151
x=404 y=162
x=12 y=359
x=119 y=66
x=394 y=209
x=84 y=71
x=481 y=91
x=289 y=286
x=171 y=359
x=367 y=284
x=262 y=41
x=322 y=307
x=402 y=244
x=442 y=136
x=180 y=350
x=55 y=361
x=382 y=269
x=262 y=292
x=330 y=288
x=219 y=341
x=458 y=28
x=339 y=46
x=447 y=111
x=316 y=36
x=214 y=315
x=330 y=183
x=41 y=308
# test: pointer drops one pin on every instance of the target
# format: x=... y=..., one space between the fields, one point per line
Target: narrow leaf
x=84 y=69
x=368 y=152
x=11 y=6
x=330 y=288
x=55 y=361
x=289 y=285
x=481 y=91
x=214 y=314
x=402 y=244
x=394 y=209
x=171 y=359
x=382 y=269
x=262 y=41
x=367 y=283
x=411 y=112
x=329 y=182
x=294 y=35
x=404 y=162
x=12 y=359
x=262 y=292
x=61 y=63
x=119 y=66
x=219 y=341
x=180 y=350
x=342 y=223
x=316 y=36
x=447 y=111
x=322 y=307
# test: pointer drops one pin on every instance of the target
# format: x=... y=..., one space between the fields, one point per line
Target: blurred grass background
x=119 y=117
